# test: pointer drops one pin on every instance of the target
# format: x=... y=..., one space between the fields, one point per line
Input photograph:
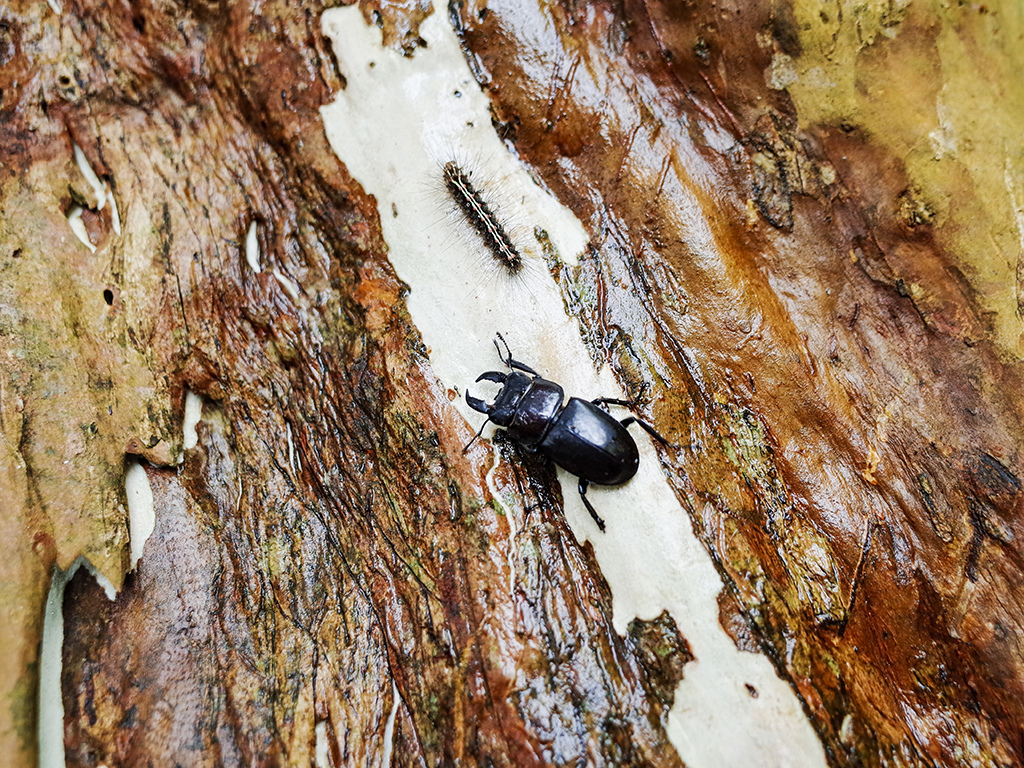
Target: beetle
x=581 y=436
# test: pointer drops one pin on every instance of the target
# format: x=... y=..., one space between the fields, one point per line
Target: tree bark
x=813 y=289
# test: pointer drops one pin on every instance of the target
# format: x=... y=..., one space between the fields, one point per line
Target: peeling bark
x=837 y=374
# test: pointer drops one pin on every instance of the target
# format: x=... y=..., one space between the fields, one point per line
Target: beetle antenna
x=507 y=357
x=513 y=365
x=476 y=435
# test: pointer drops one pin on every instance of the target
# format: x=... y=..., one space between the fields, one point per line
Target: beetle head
x=503 y=409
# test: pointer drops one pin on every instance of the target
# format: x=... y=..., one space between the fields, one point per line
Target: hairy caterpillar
x=481 y=217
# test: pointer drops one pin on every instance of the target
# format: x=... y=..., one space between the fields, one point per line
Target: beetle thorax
x=535 y=412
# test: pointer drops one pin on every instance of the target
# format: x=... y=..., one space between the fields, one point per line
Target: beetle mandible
x=580 y=437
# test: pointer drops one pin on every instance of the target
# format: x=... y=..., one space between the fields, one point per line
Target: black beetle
x=580 y=436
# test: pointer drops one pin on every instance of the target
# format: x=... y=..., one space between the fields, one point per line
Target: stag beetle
x=580 y=437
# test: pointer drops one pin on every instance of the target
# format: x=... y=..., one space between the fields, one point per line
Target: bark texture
x=853 y=408
x=326 y=556
x=837 y=371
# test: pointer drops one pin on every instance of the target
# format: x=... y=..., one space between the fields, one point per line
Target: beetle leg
x=590 y=507
x=630 y=419
x=476 y=435
x=513 y=364
x=614 y=401
x=647 y=427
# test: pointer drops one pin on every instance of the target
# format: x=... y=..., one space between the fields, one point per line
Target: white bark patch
x=432 y=106
x=322 y=753
x=293 y=462
x=252 y=248
x=141 y=514
x=193 y=415
x=51 y=705
x=389 y=727
x=99 y=188
x=78 y=226
x=289 y=285
x=101 y=193
x=1016 y=200
x=51 y=664
x=115 y=217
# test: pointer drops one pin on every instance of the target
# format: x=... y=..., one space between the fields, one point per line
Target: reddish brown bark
x=281 y=589
x=857 y=442
x=848 y=438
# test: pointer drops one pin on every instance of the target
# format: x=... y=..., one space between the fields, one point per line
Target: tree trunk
x=242 y=304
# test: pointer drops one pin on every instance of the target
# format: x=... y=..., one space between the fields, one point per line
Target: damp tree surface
x=806 y=231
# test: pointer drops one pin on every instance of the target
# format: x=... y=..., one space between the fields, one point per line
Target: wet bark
x=834 y=373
